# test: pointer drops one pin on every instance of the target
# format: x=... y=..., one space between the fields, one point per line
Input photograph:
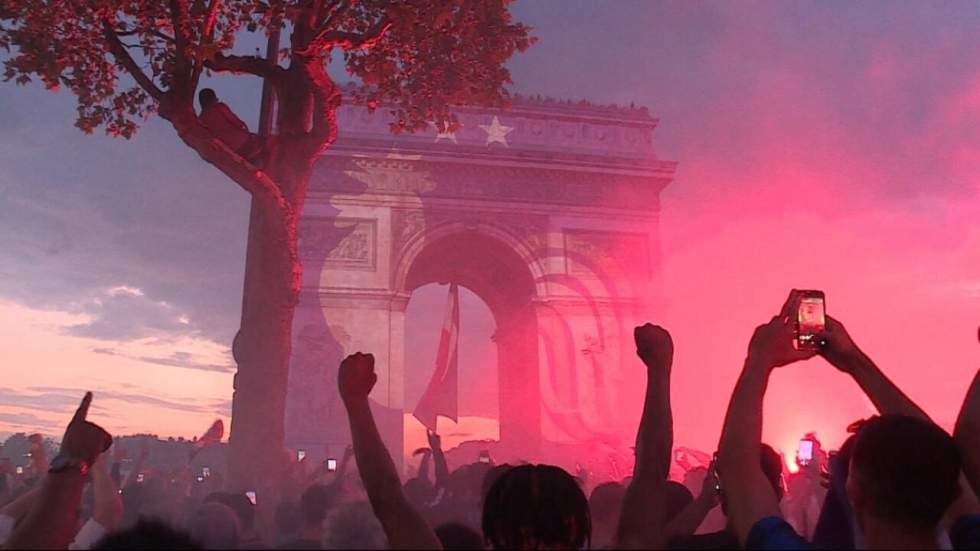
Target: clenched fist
x=654 y=345
x=356 y=377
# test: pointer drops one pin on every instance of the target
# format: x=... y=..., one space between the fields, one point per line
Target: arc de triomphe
x=548 y=211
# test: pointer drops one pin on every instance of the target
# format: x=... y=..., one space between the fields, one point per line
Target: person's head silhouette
x=536 y=507
x=206 y=97
x=903 y=477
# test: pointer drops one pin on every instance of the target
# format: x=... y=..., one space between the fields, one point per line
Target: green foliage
x=432 y=55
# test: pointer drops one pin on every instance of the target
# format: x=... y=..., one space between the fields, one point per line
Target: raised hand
x=837 y=346
x=654 y=346
x=84 y=440
x=356 y=377
x=435 y=441
x=772 y=343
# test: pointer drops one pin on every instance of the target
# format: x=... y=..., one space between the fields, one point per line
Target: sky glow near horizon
x=822 y=147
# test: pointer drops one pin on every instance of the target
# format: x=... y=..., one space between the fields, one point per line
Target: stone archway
x=555 y=228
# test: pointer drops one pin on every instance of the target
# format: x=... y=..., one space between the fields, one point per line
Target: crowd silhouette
x=899 y=481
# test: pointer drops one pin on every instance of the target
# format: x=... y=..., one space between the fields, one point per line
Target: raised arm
x=439 y=459
x=641 y=522
x=839 y=349
x=749 y=494
x=108 y=507
x=423 y=472
x=404 y=526
x=50 y=524
x=967 y=434
x=690 y=518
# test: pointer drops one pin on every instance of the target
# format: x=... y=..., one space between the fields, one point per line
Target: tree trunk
x=273 y=276
x=263 y=344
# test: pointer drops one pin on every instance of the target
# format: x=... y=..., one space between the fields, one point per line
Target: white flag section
x=441 y=396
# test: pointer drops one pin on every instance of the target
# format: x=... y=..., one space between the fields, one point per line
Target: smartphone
x=300 y=455
x=810 y=320
x=714 y=473
x=251 y=496
x=200 y=479
x=205 y=471
x=20 y=470
x=139 y=478
x=484 y=456
x=331 y=465
x=805 y=454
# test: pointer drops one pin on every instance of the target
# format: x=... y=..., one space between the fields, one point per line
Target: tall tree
x=126 y=60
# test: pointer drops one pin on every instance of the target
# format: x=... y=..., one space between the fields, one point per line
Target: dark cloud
x=185 y=360
x=182 y=359
x=43 y=399
x=28 y=422
x=176 y=404
x=175 y=359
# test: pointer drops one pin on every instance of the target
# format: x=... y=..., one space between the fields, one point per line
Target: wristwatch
x=63 y=463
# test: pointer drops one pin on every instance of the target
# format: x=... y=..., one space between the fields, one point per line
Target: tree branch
x=160 y=35
x=325 y=20
x=123 y=58
x=326 y=39
x=154 y=32
x=183 y=68
x=251 y=178
x=327 y=97
x=207 y=36
x=209 y=22
x=179 y=16
x=249 y=64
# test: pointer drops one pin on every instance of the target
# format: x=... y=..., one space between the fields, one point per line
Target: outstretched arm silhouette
x=748 y=492
x=839 y=349
x=439 y=459
x=50 y=524
x=641 y=522
x=404 y=526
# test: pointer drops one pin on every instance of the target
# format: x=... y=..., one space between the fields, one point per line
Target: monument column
x=344 y=323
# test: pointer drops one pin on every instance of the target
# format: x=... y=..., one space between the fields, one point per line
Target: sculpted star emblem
x=496 y=132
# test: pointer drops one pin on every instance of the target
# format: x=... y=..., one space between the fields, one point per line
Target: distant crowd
x=898 y=481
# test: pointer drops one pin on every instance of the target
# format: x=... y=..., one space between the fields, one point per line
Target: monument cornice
x=367 y=176
x=480 y=156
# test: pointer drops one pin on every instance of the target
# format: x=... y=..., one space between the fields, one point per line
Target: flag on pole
x=440 y=397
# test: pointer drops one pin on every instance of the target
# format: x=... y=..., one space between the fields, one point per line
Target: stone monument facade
x=548 y=211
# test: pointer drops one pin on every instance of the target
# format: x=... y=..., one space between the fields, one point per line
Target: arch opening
x=496 y=294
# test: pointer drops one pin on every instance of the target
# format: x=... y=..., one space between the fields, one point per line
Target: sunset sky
x=820 y=145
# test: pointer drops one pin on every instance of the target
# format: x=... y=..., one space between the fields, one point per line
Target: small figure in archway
x=227 y=127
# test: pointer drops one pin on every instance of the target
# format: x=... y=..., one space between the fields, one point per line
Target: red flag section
x=441 y=396
x=212 y=436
